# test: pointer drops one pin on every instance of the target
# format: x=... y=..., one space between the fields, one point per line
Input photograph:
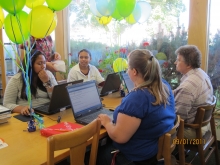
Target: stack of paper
x=5 y=114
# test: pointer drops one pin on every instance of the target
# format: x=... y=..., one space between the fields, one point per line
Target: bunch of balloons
x=130 y=10
x=19 y=26
x=40 y=22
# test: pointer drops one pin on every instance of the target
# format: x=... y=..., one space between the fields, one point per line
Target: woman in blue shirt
x=144 y=115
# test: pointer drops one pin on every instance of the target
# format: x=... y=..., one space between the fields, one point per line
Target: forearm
x=49 y=91
x=113 y=133
x=17 y=109
x=50 y=67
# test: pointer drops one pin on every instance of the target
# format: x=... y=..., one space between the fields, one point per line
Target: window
x=214 y=49
x=163 y=32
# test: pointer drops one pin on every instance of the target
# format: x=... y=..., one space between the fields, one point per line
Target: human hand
x=25 y=111
x=57 y=56
x=50 y=66
x=104 y=119
x=43 y=76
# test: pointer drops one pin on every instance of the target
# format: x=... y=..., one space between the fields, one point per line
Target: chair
x=168 y=141
x=205 y=145
x=76 y=141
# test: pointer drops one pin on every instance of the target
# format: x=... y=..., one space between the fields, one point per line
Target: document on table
x=3 y=144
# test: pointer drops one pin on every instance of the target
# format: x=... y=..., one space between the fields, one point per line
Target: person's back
x=147 y=112
x=156 y=120
x=196 y=89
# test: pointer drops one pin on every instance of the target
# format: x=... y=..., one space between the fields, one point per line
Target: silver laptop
x=86 y=103
x=59 y=100
x=112 y=84
x=128 y=83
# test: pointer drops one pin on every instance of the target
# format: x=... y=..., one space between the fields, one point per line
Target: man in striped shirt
x=195 y=88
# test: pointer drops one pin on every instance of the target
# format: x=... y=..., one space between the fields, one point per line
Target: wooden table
x=31 y=148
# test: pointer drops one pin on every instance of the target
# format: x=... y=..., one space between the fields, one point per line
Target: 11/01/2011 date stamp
x=189 y=141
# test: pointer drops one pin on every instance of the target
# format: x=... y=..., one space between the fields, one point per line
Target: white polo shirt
x=76 y=74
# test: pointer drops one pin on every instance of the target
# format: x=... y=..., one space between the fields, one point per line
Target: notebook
x=86 y=103
x=59 y=100
x=128 y=83
x=112 y=84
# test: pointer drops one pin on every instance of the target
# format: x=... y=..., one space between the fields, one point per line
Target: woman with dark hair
x=84 y=70
x=145 y=114
x=41 y=85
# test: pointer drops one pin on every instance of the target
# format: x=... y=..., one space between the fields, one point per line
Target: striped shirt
x=195 y=90
x=12 y=96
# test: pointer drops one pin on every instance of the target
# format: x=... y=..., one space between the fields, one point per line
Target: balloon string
x=49 y=28
x=12 y=29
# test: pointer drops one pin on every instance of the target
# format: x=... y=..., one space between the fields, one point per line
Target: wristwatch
x=47 y=84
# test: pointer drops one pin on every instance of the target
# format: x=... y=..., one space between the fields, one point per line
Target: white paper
x=2 y=144
x=59 y=65
x=3 y=109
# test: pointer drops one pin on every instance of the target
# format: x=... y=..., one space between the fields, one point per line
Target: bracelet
x=47 y=84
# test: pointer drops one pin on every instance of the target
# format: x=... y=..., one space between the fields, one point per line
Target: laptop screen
x=84 y=97
x=112 y=84
x=129 y=84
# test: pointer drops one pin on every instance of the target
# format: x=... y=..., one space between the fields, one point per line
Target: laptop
x=112 y=84
x=128 y=83
x=59 y=100
x=86 y=103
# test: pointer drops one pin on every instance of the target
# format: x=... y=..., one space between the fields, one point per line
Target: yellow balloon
x=120 y=64
x=104 y=20
x=41 y=21
x=130 y=19
x=34 y=3
x=1 y=17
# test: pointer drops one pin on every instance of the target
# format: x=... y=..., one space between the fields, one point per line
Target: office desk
x=31 y=148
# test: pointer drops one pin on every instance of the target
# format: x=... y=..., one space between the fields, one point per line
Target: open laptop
x=128 y=83
x=59 y=100
x=112 y=84
x=86 y=103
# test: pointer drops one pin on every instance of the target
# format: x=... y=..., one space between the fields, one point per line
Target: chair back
x=207 y=144
x=76 y=141
x=166 y=143
x=204 y=114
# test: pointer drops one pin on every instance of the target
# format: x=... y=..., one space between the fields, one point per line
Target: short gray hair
x=191 y=55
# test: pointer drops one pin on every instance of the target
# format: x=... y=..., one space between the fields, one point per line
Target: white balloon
x=145 y=11
x=93 y=8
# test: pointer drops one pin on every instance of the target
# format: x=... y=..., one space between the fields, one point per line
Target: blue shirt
x=155 y=121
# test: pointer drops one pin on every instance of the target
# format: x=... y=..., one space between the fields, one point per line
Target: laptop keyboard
x=43 y=108
x=94 y=115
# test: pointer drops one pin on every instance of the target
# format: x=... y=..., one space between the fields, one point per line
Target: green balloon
x=161 y=56
x=12 y=6
x=57 y=5
x=116 y=15
x=16 y=28
x=125 y=7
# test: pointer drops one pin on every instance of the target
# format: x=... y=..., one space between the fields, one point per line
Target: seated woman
x=145 y=114
x=84 y=70
x=42 y=82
